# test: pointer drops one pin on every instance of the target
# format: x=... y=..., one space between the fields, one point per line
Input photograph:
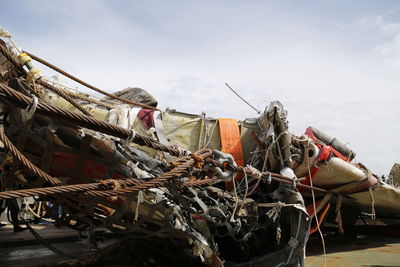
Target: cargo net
x=91 y=174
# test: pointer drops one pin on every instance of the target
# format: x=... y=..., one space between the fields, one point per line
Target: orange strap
x=310 y=211
x=231 y=144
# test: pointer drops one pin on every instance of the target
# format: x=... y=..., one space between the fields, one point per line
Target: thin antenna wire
x=258 y=111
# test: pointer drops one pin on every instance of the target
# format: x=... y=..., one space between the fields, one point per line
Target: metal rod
x=258 y=111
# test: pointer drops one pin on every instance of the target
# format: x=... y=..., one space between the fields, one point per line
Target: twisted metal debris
x=183 y=191
x=103 y=174
x=177 y=190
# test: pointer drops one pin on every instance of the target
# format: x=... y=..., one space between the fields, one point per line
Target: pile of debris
x=184 y=189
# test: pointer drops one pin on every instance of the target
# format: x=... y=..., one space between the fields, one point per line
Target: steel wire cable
x=131 y=185
x=44 y=62
x=75 y=188
x=83 y=120
x=26 y=162
x=11 y=59
x=19 y=67
x=199 y=182
x=64 y=95
x=182 y=167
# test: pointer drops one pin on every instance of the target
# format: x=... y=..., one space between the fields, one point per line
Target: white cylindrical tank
x=336 y=172
x=310 y=157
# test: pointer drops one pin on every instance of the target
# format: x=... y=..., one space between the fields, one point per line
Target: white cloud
x=389 y=49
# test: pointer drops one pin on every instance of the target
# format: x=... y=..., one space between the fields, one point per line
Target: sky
x=334 y=64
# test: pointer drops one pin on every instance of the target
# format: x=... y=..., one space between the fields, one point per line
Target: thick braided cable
x=11 y=59
x=76 y=188
x=18 y=66
x=82 y=120
x=88 y=99
x=182 y=167
x=44 y=62
x=199 y=182
x=26 y=162
x=63 y=95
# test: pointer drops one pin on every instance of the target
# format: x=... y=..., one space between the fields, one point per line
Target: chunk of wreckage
x=188 y=189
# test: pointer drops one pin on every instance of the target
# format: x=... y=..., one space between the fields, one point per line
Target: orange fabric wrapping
x=230 y=143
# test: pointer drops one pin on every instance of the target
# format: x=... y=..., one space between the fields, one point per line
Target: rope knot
x=111 y=184
x=198 y=161
x=252 y=172
x=181 y=150
x=274 y=213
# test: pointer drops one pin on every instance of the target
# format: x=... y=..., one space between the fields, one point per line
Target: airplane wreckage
x=181 y=189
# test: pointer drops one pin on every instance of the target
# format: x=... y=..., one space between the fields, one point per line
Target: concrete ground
x=22 y=249
x=359 y=246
